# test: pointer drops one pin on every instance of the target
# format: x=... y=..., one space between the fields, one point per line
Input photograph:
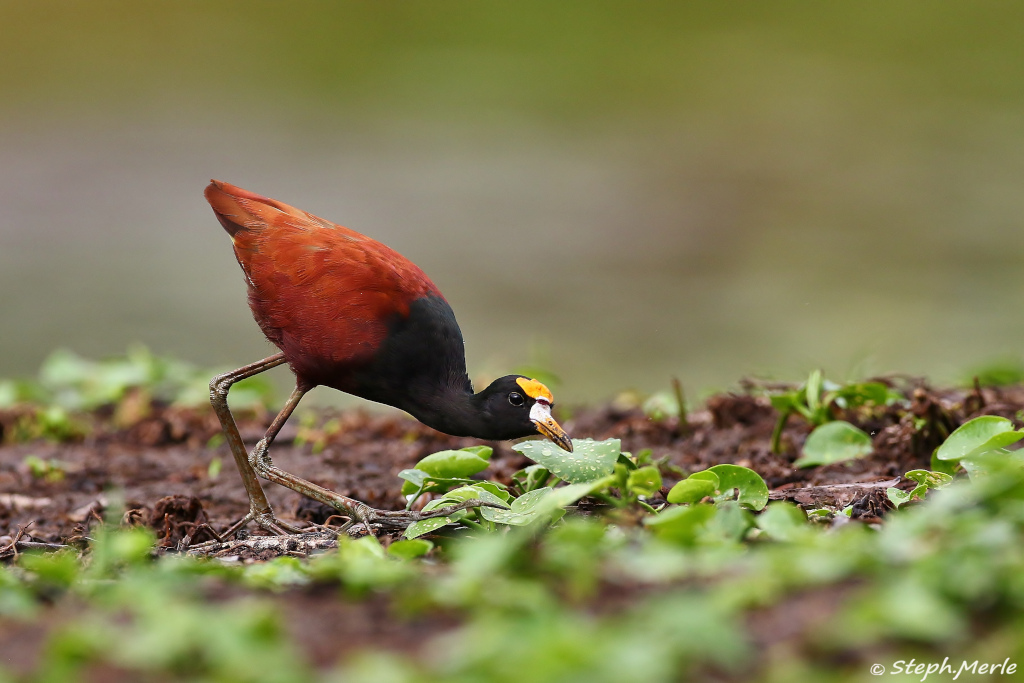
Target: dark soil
x=157 y=472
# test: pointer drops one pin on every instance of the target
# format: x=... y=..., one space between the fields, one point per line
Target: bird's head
x=519 y=406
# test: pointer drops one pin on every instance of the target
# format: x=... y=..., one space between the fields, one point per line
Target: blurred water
x=623 y=198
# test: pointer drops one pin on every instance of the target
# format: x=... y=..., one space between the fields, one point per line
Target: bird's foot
x=354 y=510
x=400 y=519
x=264 y=519
x=268 y=521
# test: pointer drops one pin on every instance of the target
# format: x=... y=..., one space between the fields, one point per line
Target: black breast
x=420 y=362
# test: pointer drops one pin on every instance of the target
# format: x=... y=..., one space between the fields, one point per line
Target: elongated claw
x=400 y=519
x=275 y=526
x=265 y=520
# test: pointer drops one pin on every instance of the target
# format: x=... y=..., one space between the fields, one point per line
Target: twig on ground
x=13 y=545
x=292 y=544
x=835 y=495
x=12 y=548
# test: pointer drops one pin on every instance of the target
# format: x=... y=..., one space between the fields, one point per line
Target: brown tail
x=239 y=209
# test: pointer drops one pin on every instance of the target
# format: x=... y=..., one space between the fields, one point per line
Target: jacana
x=349 y=313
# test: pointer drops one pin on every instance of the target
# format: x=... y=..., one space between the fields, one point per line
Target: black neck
x=454 y=410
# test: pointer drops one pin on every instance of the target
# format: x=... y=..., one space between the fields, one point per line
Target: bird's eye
x=516 y=399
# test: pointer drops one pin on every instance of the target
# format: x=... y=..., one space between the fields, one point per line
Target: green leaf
x=495 y=488
x=452 y=464
x=524 y=509
x=989 y=462
x=783 y=521
x=691 y=490
x=813 y=390
x=945 y=466
x=563 y=496
x=661 y=405
x=752 y=491
x=439 y=503
x=483 y=452
x=37 y=467
x=834 y=442
x=644 y=457
x=531 y=478
x=460 y=495
x=625 y=461
x=925 y=480
x=540 y=504
x=277 y=574
x=8 y=393
x=899 y=497
x=425 y=526
x=707 y=475
x=681 y=524
x=414 y=479
x=785 y=402
x=645 y=481
x=977 y=436
x=861 y=393
x=367 y=546
x=999 y=373
x=120 y=547
x=931 y=480
x=410 y=548
x=589 y=461
x=444 y=470
x=730 y=522
x=213 y=470
x=56 y=569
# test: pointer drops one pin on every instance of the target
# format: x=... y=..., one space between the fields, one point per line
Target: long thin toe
x=400 y=519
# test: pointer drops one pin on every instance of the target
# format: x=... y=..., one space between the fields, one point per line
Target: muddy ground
x=157 y=471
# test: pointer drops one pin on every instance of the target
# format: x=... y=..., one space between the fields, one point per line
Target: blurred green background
x=619 y=191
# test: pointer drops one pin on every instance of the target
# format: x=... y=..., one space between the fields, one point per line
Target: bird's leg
x=260 y=461
x=259 y=508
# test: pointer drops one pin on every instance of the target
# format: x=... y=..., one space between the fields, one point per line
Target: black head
x=517 y=406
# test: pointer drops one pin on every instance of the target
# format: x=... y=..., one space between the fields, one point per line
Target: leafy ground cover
x=783 y=532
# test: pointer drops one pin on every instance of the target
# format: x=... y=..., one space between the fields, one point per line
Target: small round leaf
x=645 y=481
x=425 y=526
x=681 y=525
x=410 y=548
x=707 y=475
x=752 y=491
x=783 y=521
x=834 y=442
x=691 y=491
x=452 y=464
x=977 y=436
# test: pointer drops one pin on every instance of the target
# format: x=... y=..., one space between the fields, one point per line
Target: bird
x=348 y=312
